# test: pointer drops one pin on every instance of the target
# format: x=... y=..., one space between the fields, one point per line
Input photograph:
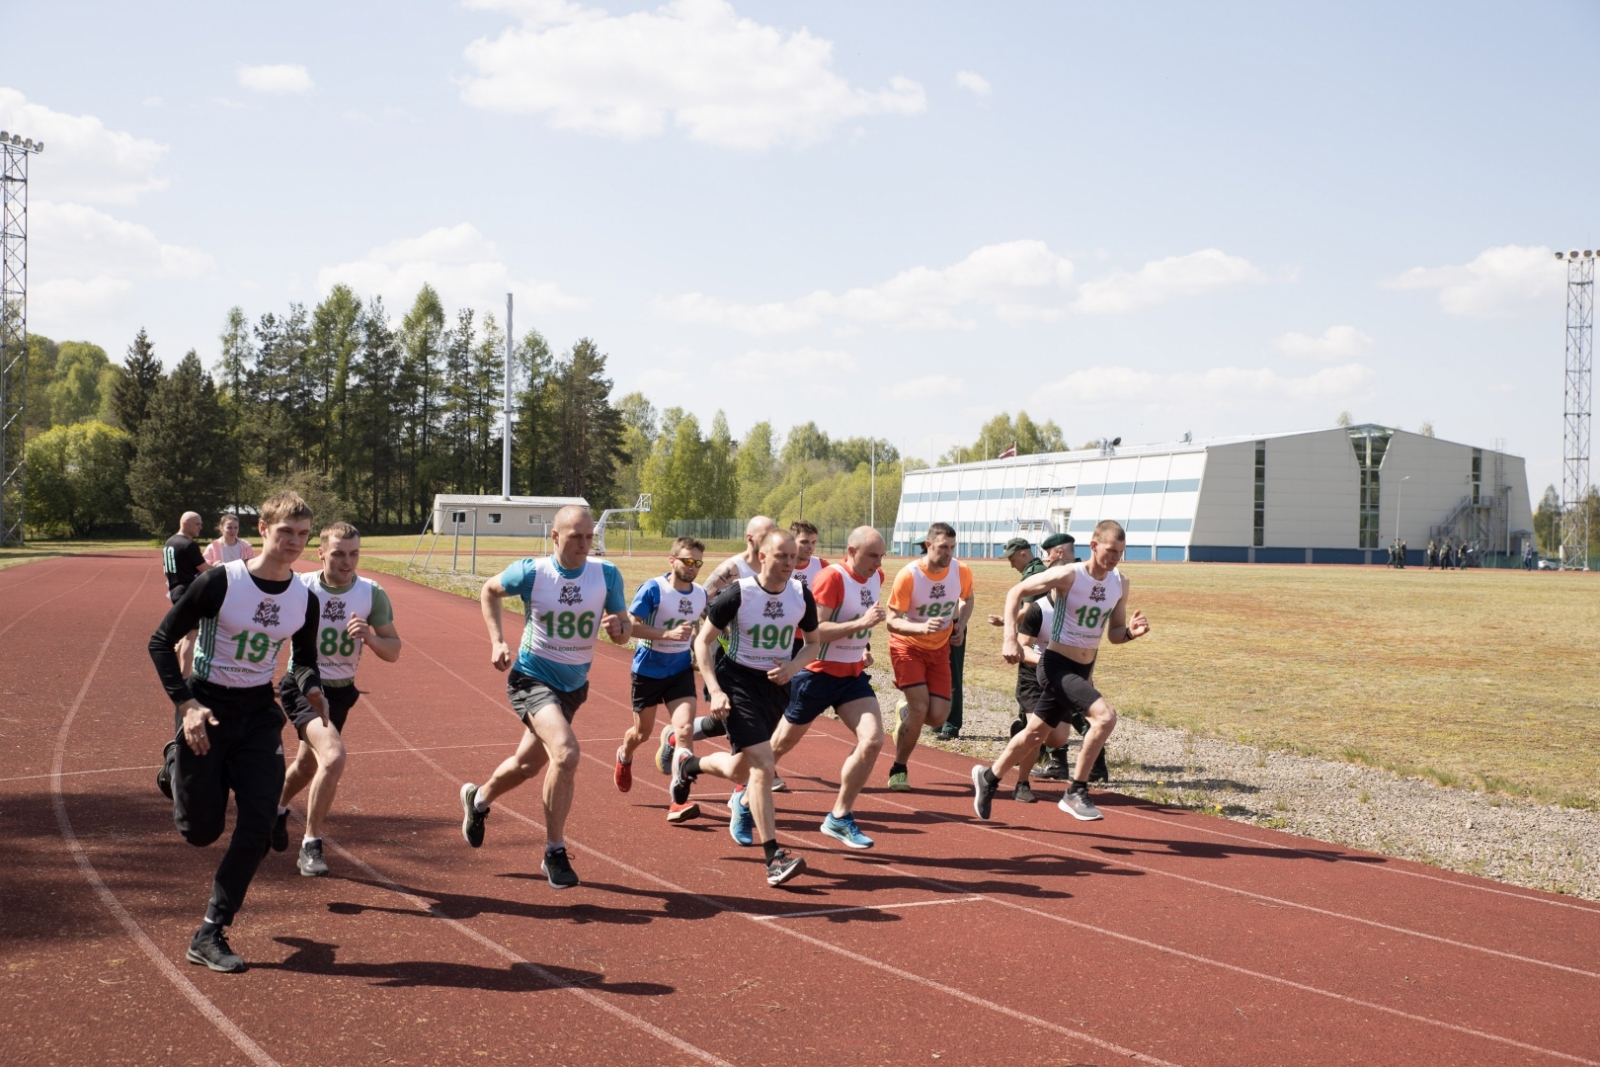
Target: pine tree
x=130 y=400
x=185 y=456
x=334 y=336
x=588 y=430
x=532 y=465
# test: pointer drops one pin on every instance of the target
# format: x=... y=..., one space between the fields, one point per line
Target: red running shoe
x=683 y=812
x=624 y=775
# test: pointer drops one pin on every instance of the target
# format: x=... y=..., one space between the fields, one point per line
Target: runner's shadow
x=316 y=957
x=468 y=906
x=1121 y=845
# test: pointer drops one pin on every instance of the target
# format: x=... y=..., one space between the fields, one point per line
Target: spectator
x=228 y=547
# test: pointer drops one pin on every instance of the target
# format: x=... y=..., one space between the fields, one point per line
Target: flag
x=1008 y=452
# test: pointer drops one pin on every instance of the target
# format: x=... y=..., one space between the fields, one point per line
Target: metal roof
x=448 y=499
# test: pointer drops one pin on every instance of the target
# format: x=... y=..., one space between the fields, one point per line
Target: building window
x=1477 y=475
x=533 y=520
x=1370 y=443
x=458 y=517
x=1261 y=495
x=494 y=518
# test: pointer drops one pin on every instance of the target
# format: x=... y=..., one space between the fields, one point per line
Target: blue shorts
x=811 y=693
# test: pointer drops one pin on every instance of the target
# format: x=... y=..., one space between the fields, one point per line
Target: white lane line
x=905 y=975
x=860 y=907
x=69 y=774
x=17 y=621
x=201 y=1002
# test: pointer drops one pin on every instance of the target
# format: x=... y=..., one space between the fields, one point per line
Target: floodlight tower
x=14 y=152
x=1577 y=408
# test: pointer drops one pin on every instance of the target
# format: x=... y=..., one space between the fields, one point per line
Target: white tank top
x=763 y=635
x=935 y=599
x=1081 y=614
x=564 y=613
x=674 y=607
x=1047 y=619
x=239 y=648
x=338 y=654
x=858 y=599
x=808 y=573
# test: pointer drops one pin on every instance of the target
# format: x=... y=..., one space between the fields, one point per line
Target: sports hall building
x=1321 y=496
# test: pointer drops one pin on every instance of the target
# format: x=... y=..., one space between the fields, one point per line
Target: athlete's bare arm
x=726 y=573
x=490 y=597
x=618 y=627
x=1121 y=629
x=963 y=614
x=704 y=642
x=828 y=632
x=1052 y=580
x=645 y=631
x=383 y=640
x=781 y=674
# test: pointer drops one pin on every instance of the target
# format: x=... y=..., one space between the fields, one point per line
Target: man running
x=807 y=564
x=226 y=718
x=183 y=562
x=929 y=605
x=847 y=594
x=665 y=611
x=1090 y=601
x=355 y=613
x=228 y=547
x=750 y=686
x=569 y=598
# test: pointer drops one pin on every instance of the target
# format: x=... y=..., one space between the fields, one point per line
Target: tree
x=335 y=336
x=130 y=399
x=84 y=384
x=1547 y=522
x=588 y=431
x=422 y=341
x=755 y=469
x=41 y=373
x=184 y=459
x=531 y=442
x=1000 y=433
x=1426 y=428
x=78 y=478
x=719 y=498
x=1343 y=419
x=639 y=418
x=675 y=470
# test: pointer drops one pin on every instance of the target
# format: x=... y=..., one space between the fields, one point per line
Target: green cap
x=1055 y=540
x=1017 y=544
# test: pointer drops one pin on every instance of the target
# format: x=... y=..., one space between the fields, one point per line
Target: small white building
x=499 y=516
x=1323 y=496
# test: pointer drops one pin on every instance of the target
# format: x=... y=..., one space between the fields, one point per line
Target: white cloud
x=276 y=78
x=75 y=240
x=1163 y=279
x=1262 y=389
x=724 y=80
x=1501 y=282
x=458 y=261
x=1336 y=343
x=927 y=387
x=78 y=306
x=825 y=370
x=973 y=81
x=83 y=160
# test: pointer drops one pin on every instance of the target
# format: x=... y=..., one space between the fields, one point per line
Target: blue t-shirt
x=517 y=580
x=647 y=661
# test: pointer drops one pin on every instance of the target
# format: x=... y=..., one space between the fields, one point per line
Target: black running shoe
x=982 y=791
x=472 y=821
x=680 y=781
x=212 y=950
x=280 y=832
x=169 y=757
x=1056 y=770
x=1023 y=794
x=1100 y=773
x=783 y=867
x=311 y=863
x=1017 y=726
x=558 y=870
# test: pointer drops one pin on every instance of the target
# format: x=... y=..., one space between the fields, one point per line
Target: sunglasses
x=690 y=562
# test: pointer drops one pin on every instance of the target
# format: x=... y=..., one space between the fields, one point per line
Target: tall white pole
x=872 y=482
x=505 y=460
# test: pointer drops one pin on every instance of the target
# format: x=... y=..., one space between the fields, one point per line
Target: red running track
x=1155 y=936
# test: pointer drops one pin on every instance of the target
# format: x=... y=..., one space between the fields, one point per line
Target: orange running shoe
x=624 y=775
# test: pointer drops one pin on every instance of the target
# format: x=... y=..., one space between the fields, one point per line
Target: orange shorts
x=914 y=665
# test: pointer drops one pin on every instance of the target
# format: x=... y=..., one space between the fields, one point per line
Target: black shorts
x=758 y=704
x=341 y=698
x=648 y=692
x=1066 y=690
x=529 y=694
x=175 y=593
x=812 y=692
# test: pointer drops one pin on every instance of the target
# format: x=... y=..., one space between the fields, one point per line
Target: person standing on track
x=665 y=611
x=570 y=599
x=355 y=612
x=807 y=563
x=929 y=605
x=750 y=687
x=847 y=593
x=1090 y=601
x=228 y=547
x=183 y=562
x=229 y=725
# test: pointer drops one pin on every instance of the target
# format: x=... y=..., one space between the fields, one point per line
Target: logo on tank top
x=773 y=610
x=570 y=594
x=936 y=591
x=266 y=615
x=685 y=606
x=1097 y=594
x=333 y=611
x=866 y=597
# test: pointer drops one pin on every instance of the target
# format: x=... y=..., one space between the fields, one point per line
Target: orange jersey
x=922 y=595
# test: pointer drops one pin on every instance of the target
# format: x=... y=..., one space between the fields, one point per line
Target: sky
x=895 y=219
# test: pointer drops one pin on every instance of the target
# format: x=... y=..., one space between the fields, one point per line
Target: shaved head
x=190 y=524
x=570 y=516
x=864 y=551
x=862 y=536
x=758 y=528
x=774 y=537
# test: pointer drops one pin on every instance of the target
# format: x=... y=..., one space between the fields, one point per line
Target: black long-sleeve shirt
x=203 y=600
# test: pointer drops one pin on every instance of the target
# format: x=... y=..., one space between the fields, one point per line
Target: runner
x=183 y=562
x=229 y=725
x=569 y=598
x=355 y=612
x=807 y=564
x=928 y=609
x=228 y=547
x=848 y=594
x=750 y=687
x=1091 y=601
x=665 y=611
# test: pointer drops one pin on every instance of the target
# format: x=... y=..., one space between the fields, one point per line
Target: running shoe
x=982 y=791
x=845 y=829
x=1078 y=805
x=899 y=782
x=1056 y=770
x=779 y=785
x=896 y=720
x=669 y=738
x=1100 y=773
x=212 y=950
x=948 y=733
x=558 y=869
x=1017 y=726
x=683 y=812
x=311 y=863
x=472 y=823
x=623 y=775
x=741 y=823
x=1024 y=793
x=280 y=832
x=680 y=781
x=784 y=867
x=169 y=757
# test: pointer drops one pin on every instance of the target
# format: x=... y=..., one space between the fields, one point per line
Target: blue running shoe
x=741 y=824
x=846 y=830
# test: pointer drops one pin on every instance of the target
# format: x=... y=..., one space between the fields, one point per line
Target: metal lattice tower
x=1577 y=408
x=14 y=153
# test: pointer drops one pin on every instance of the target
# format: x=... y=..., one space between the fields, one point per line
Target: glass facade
x=1370 y=443
x=1260 y=531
